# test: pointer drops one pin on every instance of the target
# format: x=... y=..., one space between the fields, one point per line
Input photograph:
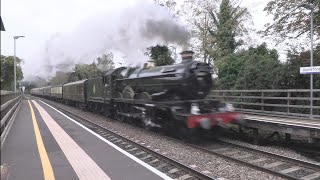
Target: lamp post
x=14 y=62
x=311 y=8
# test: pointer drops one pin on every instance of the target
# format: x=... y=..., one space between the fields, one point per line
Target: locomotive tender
x=169 y=97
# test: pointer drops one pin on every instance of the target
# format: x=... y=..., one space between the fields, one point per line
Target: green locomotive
x=169 y=97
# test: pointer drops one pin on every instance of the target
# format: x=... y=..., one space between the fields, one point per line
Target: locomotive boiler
x=187 y=80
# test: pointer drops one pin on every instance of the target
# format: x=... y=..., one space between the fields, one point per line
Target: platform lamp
x=311 y=8
x=14 y=62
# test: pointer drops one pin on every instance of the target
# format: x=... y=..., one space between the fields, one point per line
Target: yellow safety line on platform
x=83 y=165
x=46 y=165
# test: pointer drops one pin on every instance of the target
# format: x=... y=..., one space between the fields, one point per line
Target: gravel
x=273 y=149
x=214 y=166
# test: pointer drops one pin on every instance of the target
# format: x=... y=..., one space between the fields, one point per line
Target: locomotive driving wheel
x=128 y=93
x=143 y=96
x=118 y=95
x=146 y=120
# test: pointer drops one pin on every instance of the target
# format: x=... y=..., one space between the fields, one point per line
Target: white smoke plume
x=125 y=30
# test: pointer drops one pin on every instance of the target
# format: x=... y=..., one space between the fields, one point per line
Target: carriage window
x=106 y=80
x=131 y=70
x=124 y=73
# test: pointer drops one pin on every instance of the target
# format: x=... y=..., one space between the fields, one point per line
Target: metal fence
x=10 y=101
x=290 y=102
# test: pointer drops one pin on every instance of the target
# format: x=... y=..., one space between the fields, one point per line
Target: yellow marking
x=46 y=165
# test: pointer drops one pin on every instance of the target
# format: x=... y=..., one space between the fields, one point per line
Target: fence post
x=223 y=96
x=287 y=98
x=288 y=102
x=262 y=101
x=241 y=100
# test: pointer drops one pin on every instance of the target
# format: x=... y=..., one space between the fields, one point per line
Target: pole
x=311 y=64
x=14 y=66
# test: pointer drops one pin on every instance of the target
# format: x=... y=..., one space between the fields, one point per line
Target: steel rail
x=169 y=160
x=285 y=159
x=276 y=156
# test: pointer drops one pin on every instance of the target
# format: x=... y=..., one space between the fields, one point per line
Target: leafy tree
x=160 y=54
x=292 y=78
x=28 y=85
x=230 y=69
x=290 y=21
x=7 y=75
x=262 y=70
x=40 y=81
x=60 y=78
x=105 y=62
x=169 y=4
x=85 y=71
x=255 y=68
x=216 y=27
x=227 y=23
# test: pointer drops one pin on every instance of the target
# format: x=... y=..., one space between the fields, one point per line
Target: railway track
x=168 y=166
x=275 y=164
x=271 y=163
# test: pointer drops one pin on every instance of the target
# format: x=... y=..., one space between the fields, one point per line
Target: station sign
x=310 y=70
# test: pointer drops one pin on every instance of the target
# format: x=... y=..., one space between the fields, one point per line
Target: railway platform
x=303 y=127
x=45 y=144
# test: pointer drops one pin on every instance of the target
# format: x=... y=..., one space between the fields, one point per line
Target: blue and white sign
x=310 y=70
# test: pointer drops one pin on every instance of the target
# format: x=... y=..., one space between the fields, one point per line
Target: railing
x=9 y=103
x=290 y=102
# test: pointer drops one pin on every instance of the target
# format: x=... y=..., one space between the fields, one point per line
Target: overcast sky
x=40 y=20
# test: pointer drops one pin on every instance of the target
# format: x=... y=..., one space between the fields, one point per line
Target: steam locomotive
x=168 y=97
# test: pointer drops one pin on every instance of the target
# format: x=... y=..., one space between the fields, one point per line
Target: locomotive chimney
x=187 y=55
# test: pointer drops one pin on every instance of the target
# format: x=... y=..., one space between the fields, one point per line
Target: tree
x=105 y=62
x=7 y=75
x=28 y=85
x=196 y=12
x=255 y=68
x=60 y=78
x=227 y=23
x=290 y=21
x=84 y=71
x=160 y=54
x=169 y=4
x=41 y=82
x=216 y=27
x=262 y=69
x=292 y=78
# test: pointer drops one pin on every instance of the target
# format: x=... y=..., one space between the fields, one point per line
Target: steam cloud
x=166 y=30
x=124 y=30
